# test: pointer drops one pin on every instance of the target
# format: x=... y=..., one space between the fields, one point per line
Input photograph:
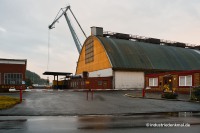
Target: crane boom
x=57 y=18
x=78 y=23
x=74 y=35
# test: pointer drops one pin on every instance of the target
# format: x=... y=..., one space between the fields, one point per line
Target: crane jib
x=74 y=35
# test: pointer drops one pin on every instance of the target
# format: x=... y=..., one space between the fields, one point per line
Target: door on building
x=168 y=82
x=105 y=84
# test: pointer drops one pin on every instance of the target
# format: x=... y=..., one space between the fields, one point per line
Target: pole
x=20 y=94
x=92 y=94
x=87 y=94
x=190 y=93
x=57 y=83
x=143 y=92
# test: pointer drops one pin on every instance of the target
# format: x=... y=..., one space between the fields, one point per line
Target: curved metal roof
x=133 y=55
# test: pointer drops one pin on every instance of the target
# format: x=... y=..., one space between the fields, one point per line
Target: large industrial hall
x=112 y=60
x=121 y=61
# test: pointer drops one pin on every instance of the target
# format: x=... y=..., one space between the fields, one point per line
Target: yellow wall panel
x=100 y=62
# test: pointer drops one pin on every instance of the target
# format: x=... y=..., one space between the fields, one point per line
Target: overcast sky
x=24 y=26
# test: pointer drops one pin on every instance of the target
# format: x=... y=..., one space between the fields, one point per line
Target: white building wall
x=12 y=62
x=128 y=80
x=102 y=73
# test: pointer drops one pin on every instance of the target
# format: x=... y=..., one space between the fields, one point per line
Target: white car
x=12 y=89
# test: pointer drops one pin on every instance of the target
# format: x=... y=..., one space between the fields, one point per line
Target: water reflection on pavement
x=101 y=123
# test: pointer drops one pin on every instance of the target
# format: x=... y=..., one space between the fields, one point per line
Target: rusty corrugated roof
x=126 y=54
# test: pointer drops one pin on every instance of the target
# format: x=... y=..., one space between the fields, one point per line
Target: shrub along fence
x=195 y=93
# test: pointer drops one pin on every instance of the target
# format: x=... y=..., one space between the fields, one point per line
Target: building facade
x=127 y=59
x=180 y=81
x=12 y=73
x=89 y=83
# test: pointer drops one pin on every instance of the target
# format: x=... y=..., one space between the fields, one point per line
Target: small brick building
x=12 y=73
x=182 y=81
x=90 y=83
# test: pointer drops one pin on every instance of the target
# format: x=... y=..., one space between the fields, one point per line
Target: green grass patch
x=8 y=102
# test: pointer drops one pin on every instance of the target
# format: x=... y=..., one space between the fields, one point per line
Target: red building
x=181 y=81
x=89 y=83
x=12 y=73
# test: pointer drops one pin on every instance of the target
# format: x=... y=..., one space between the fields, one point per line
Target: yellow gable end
x=93 y=56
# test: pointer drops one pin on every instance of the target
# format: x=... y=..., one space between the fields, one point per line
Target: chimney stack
x=96 y=31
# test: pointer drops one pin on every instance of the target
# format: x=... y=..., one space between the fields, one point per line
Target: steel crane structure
x=74 y=35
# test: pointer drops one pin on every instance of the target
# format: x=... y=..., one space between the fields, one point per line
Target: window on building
x=82 y=83
x=153 y=81
x=89 y=51
x=185 y=80
x=13 y=78
x=71 y=84
x=99 y=82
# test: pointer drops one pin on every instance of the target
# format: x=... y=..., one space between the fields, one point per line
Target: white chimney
x=96 y=31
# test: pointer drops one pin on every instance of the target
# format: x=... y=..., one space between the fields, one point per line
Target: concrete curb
x=129 y=95
x=74 y=90
x=109 y=114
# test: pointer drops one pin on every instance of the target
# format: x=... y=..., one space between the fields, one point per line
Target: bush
x=169 y=95
x=196 y=94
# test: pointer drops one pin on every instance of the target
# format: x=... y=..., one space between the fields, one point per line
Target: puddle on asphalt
x=181 y=114
x=133 y=121
x=96 y=122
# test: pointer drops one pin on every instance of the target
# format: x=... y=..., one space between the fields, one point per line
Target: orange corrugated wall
x=100 y=62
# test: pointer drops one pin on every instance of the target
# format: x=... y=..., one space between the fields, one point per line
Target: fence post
x=143 y=92
x=92 y=93
x=87 y=94
x=190 y=93
x=20 y=94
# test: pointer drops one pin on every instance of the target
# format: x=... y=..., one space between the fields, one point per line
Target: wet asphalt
x=110 y=111
x=99 y=124
x=53 y=103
